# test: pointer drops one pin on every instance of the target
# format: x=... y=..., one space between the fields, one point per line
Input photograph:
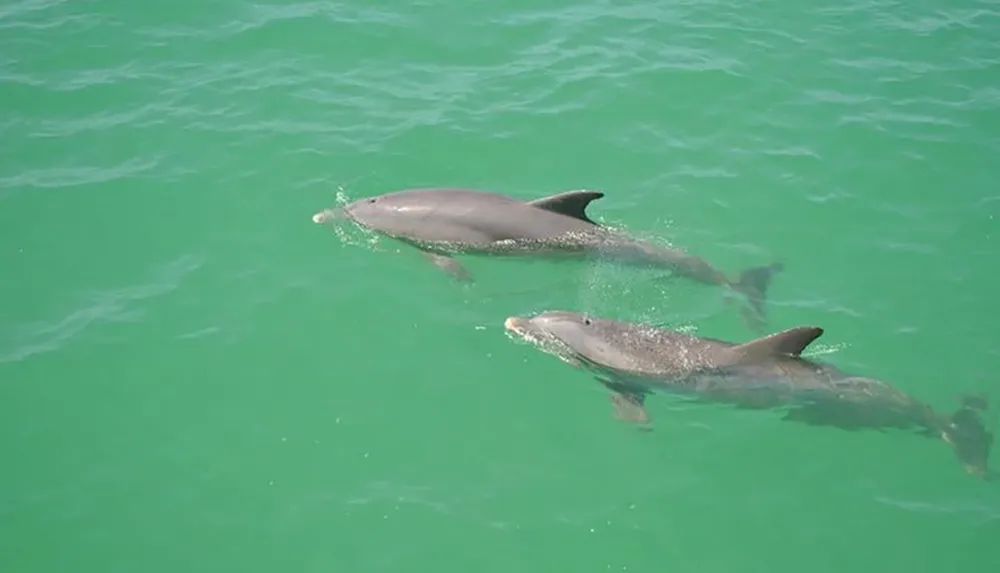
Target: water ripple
x=147 y=115
x=813 y=127
x=54 y=177
x=27 y=7
x=108 y=306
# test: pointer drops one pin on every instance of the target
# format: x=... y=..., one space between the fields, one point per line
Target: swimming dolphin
x=634 y=360
x=441 y=222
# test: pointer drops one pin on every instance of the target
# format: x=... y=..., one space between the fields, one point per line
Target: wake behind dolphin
x=442 y=222
x=635 y=360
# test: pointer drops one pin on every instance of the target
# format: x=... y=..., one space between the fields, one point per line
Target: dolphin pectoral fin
x=569 y=203
x=449 y=265
x=628 y=404
x=753 y=283
x=630 y=408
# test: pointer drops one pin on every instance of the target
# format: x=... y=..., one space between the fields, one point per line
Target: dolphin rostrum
x=441 y=222
x=634 y=360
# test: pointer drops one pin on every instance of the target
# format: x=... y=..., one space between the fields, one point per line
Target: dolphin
x=634 y=360
x=442 y=222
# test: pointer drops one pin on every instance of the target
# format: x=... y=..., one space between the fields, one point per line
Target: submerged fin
x=753 y=283
x=789 y=342
x=628 y=404
x=569 y=203
x=965 y=432
x=975 y=402
x=630 y=408
x=449 y=265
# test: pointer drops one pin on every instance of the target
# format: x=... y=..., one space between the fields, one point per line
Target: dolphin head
x=578 y=338
x=392 y=213
x=366 y=212
x=328 y=216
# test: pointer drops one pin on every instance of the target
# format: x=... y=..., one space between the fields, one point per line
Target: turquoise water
x=195 y=377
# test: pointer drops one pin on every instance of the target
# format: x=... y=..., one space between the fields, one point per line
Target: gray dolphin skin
x=634 y=360
x=442 y=222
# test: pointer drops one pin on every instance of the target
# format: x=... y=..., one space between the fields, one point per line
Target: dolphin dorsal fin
x=569 y=203
x=789 y=342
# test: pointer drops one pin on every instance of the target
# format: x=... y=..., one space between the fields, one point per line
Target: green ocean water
x=195 y=377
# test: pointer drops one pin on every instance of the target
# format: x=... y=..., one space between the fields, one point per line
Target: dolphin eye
x=372 y=200
x=587 y=321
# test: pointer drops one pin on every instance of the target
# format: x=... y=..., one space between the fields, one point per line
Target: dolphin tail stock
x=753 y=284
x=965 y=432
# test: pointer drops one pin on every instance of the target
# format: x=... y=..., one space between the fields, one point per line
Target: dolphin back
x=471 y=217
